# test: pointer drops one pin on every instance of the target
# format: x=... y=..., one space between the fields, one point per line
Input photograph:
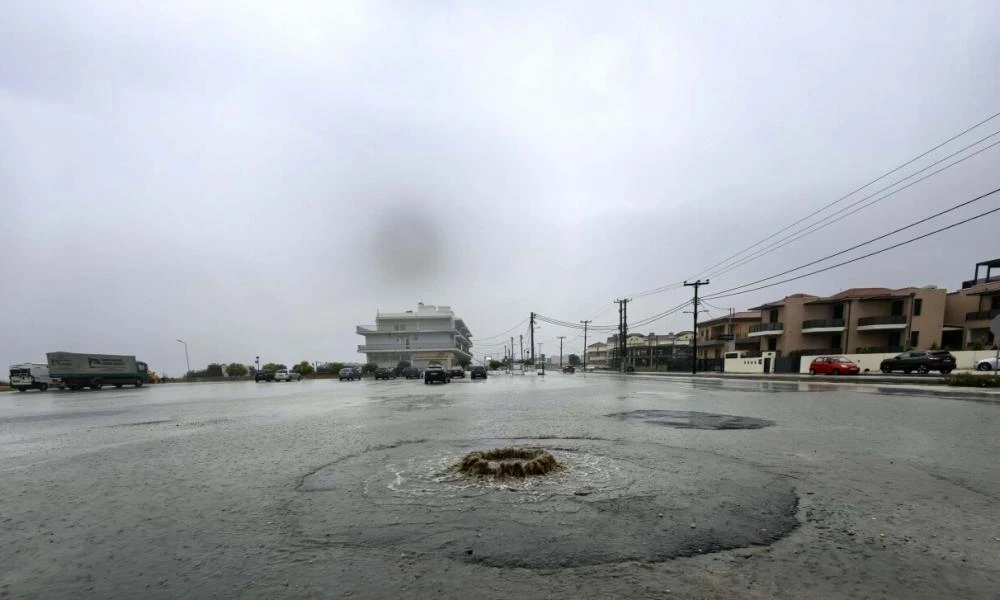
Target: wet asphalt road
x=328 y=489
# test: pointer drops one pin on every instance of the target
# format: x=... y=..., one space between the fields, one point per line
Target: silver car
x=287 y=375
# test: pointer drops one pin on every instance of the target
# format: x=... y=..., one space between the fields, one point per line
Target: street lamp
x=186 y=359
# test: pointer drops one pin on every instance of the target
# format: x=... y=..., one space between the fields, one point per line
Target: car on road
x=263 y=376
x=350 y=374
x=986 y=364
x=833 y=365
x=478 y=372
x=384 y=373
x=287 y=375
x=412 y=373
x=436 y=372
x=569 y=369
x=457 y=371
x=921 y=361
x=30 y=376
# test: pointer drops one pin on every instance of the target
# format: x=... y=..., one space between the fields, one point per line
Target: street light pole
x=186 y=359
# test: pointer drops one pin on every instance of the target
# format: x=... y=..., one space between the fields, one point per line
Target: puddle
x=686 y=419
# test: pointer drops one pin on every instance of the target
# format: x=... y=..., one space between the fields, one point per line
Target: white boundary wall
x=964 y=359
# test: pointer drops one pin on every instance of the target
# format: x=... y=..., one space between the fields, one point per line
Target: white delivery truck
x=30 y=376
x=77 y=371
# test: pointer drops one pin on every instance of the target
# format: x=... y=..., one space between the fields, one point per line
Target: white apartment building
x=428 y=334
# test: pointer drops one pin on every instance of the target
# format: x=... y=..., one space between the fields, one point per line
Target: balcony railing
x=820 y=352
x=878 y=349
x=762 y=327
x=822 y=323
x=982 y=315
x=973 y=282
x=882 y=320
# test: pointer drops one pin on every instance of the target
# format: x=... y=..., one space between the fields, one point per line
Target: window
x=772 y=345
x=918 y=305
x=914 y=339
x=836 y=341
x=773 y=316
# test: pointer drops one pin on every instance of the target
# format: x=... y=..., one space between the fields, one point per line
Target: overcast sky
x=257 y=178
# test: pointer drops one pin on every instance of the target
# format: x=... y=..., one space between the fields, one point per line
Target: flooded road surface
x=667 y=489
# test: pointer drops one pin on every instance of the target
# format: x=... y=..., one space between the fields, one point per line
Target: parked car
x=921 y=361
x=477 y=372
x=384 y=373
x=412 y=373
x=457 y=371
x=287 y=375
x=263 y=376
x=569 y=369
x=350 y=374
x=436 y=372
x=833 y=365
x=986 y=364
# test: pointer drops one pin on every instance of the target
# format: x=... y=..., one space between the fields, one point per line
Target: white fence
x=964 y=359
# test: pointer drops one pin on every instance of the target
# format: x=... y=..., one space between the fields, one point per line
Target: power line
x=727 y=294
x=833 y=218
x=867 y=242
x=856 y=190
x=679 y=284
x=500 y=334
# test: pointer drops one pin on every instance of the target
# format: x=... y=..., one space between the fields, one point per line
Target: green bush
x=973 y=380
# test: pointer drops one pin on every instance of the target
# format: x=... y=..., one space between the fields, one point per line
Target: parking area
x=669 y=487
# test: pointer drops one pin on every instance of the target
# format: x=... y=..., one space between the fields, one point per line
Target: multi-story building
x=727 y=334
x=642 y=350
x=855 y=320
x=975 y=305
x=428 y=334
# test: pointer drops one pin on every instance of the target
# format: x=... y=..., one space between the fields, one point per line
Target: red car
x=833 y=365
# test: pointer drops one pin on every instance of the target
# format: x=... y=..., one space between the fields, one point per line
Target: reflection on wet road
x=707 y=487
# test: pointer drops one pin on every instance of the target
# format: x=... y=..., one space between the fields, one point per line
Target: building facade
x=645 y=351
x=727 y=334
x=428 y=334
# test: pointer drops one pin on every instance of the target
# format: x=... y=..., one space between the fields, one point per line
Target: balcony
x=882 y=322
x=823 y=326
x=365 y=329
x=397 y=348
x=982 y=315
x=762 y=329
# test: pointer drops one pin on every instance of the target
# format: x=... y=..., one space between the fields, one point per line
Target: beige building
x=854 y=320
x=729 y=333
x=642 y=350
x=976 y=304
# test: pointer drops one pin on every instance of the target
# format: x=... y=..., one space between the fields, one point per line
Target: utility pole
x=531 y=332
x=622 y=330
x=520 y=339
x=694 y=358
x=585 y=323
x=561 y=338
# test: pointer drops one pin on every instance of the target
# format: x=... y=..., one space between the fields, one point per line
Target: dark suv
x=478 y=371
x=436 y=372
x=411 y=373
x=457 y=371
x=384 y=373
x=350 y=374
x=921 y=361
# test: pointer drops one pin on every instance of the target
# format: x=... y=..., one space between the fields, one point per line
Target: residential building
x=975 y=305
x=428 y=334
x=854 y=320
x=650 y=350
x=727 y=334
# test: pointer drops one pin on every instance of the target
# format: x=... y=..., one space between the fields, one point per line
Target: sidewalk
x=925 y=385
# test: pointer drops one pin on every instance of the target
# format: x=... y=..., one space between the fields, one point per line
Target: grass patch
x=973 y=380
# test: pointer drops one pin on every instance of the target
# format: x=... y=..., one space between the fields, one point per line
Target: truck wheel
x=22 y=389
x=138 y=382
x=96 y=384
x=43 y=387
